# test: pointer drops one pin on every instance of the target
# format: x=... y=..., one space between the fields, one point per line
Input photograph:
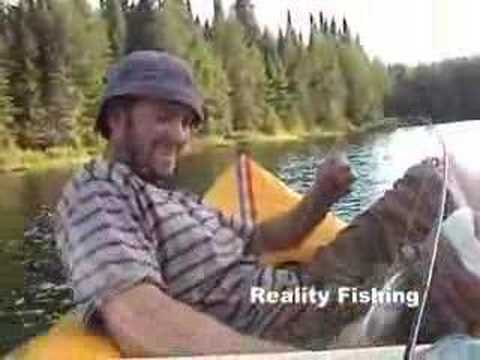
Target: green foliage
x=326 y=83
x=143 y=27
x=116 y=26
x=6 y=103
x=246 y=16
x=90 y=52
x=246 y=74
x=218 y=13
x=358 y=77
x=182 y=38
x=54 y=54
x=444 y=91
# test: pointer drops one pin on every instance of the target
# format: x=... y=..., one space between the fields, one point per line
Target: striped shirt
x=116 y=230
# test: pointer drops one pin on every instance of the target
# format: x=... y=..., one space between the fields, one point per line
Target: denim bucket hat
x=153 y=74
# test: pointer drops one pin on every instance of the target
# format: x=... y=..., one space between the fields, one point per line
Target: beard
x=141 y=158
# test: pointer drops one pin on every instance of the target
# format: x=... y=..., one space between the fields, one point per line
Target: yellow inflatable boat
x=261 y=196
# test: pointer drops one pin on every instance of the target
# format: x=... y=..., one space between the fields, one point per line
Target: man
x=164 y=274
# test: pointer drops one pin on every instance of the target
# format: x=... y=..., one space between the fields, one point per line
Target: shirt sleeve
x=104 y=246
x=245 y=229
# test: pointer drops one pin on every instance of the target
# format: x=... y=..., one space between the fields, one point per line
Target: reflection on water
x=377 y=160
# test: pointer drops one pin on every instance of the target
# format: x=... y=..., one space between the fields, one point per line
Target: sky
x=396 y=31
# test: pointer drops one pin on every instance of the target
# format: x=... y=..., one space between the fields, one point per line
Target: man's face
x=151 y=136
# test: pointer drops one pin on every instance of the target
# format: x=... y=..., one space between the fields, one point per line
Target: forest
x=54 y=55
x=445 y=91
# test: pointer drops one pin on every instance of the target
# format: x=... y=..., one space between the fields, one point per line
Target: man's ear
x=116 y=124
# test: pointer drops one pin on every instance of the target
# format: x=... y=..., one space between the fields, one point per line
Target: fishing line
x=409 y=353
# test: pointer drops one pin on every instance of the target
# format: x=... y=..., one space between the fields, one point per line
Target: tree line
x=54 y=55
x=444 y=91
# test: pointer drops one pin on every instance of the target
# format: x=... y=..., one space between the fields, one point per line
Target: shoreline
x=17 y=161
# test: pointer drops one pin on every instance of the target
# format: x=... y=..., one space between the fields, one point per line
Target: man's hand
x=333 y=179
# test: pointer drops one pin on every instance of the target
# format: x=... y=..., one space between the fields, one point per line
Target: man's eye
x=162 y=119
x=187 y=122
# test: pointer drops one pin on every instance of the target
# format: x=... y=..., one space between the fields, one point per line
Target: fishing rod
x=409 y=353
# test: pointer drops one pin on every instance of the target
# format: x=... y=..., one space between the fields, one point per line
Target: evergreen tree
x=300 y=113
x=198 y=22
x=207 y=30
x=382 y=86
x=300 y=38
x=189 y=9
x=116 y=27
x=277 y=96
x=218 y=14
x=44 y=94
x=325 y=28
x=6 y=104
x=244 y=11
x=143 y=24
x=289 y=30
x=90 y=52
x=281 y=44
x=361 y=90
x=326 y=89
x=180 y=38
x=23 y=76
x=333 y=27
x=246 y=75
x=345 y=30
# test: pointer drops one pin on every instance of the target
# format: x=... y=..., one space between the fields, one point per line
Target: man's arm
x=144 y=321
x=333 y=180
x=288 y=229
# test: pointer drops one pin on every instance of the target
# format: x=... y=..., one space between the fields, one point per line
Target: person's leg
x=360 y=256
x=363 y=253
x=392 y=226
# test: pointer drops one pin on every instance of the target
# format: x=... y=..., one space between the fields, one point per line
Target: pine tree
x=357 y=40
x=189 y=9
x=361 y=90
x=277 y=96
x=311 y=41
x=333 y=27
x=246 y=74
x=218 y=14
x=325 y=28
x=7 y=139
x=289 y=30
x=326 y=90
x=345 y=30
x=244 y=11
x=198 y=22
x=182 y=39
x=281 y=44
x=143 y=24
x=22 y=73
x=90 y=53
x=43 y=94
x=116 y=27
x=207 y=30
x=57 y=52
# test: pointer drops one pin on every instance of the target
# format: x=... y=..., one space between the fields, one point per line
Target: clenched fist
x=333 y=179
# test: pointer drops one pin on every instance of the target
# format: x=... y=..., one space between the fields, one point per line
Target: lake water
x=29 y=302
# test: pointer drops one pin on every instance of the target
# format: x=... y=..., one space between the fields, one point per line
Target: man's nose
x=178 y=133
